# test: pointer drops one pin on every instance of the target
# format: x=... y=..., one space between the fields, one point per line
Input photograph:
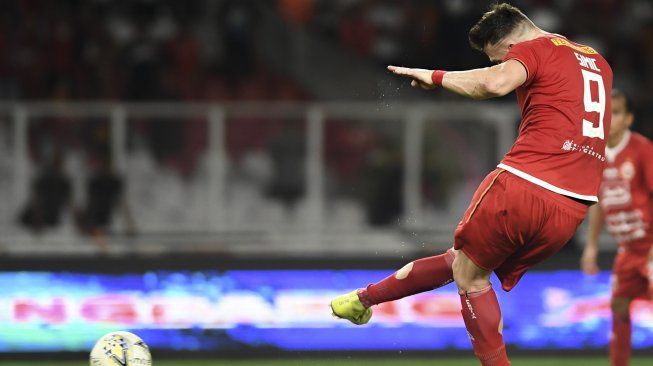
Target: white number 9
x=593 y=106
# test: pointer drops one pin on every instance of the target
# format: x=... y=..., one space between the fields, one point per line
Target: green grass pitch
x=343 y=361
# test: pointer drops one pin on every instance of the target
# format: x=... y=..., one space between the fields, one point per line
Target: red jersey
x=566 y=110
x=626 y=192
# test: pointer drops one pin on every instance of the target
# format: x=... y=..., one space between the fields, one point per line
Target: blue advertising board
x=288 y=310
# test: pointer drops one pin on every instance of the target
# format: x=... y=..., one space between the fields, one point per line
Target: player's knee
x=460 y=274
x=467 y=284
x=469 y=278
x=470 y=284
x=464 y=284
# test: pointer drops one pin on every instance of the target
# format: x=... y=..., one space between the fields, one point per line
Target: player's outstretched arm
x=421 y=77
x=588 y=262
x=484 y=83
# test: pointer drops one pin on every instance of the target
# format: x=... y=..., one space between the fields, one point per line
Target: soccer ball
x=120 y=349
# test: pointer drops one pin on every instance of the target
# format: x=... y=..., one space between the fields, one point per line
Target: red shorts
x=512 y=224
x=632 y=275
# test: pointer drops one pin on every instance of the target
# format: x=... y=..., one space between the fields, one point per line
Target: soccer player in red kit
x=532 y=204
x=626 y=208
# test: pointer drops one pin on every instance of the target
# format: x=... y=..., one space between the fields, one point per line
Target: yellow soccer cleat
x=350 y=307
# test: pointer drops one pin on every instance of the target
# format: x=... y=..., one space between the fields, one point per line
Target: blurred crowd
x=433 y=34
x=134 y=50
x=207 y=51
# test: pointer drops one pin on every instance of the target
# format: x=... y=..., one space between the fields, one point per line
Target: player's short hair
x=619 y=93
x=496 y=24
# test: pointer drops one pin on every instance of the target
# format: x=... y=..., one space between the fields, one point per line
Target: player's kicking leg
x=415 y=277
x=481 y=312
x=350 y=307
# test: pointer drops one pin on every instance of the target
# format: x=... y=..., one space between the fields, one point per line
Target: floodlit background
x=175 y=168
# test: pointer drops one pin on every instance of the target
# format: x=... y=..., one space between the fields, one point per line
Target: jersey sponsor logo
x=625 y=222
x=626 y=226
x=584 y=49
x=570 y=145
x=615 y=194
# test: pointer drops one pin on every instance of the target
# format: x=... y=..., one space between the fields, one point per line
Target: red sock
x=484 y=324
x=620 y=344
x=419 y=276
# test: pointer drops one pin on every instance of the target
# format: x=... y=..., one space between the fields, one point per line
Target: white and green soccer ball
x=120 y=349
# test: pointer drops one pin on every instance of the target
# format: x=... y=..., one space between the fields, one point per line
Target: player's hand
x=588 y=262
x=421 y=77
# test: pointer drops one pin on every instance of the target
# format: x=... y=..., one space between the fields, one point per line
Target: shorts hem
x=474 y=260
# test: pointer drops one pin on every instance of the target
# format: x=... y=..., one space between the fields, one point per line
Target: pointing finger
x=400 y=70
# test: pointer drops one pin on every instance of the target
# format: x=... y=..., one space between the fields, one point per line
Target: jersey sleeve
x=647 y=164
x=526 y=54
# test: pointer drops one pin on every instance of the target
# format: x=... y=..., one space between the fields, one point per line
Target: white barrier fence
x=300 y=178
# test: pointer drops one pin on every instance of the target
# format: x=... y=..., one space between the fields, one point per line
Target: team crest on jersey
x=567 y=145
x=627 y=170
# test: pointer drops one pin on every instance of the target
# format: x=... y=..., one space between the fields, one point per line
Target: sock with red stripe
x=484 y=324
x=418 y=276
x=620 y=342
